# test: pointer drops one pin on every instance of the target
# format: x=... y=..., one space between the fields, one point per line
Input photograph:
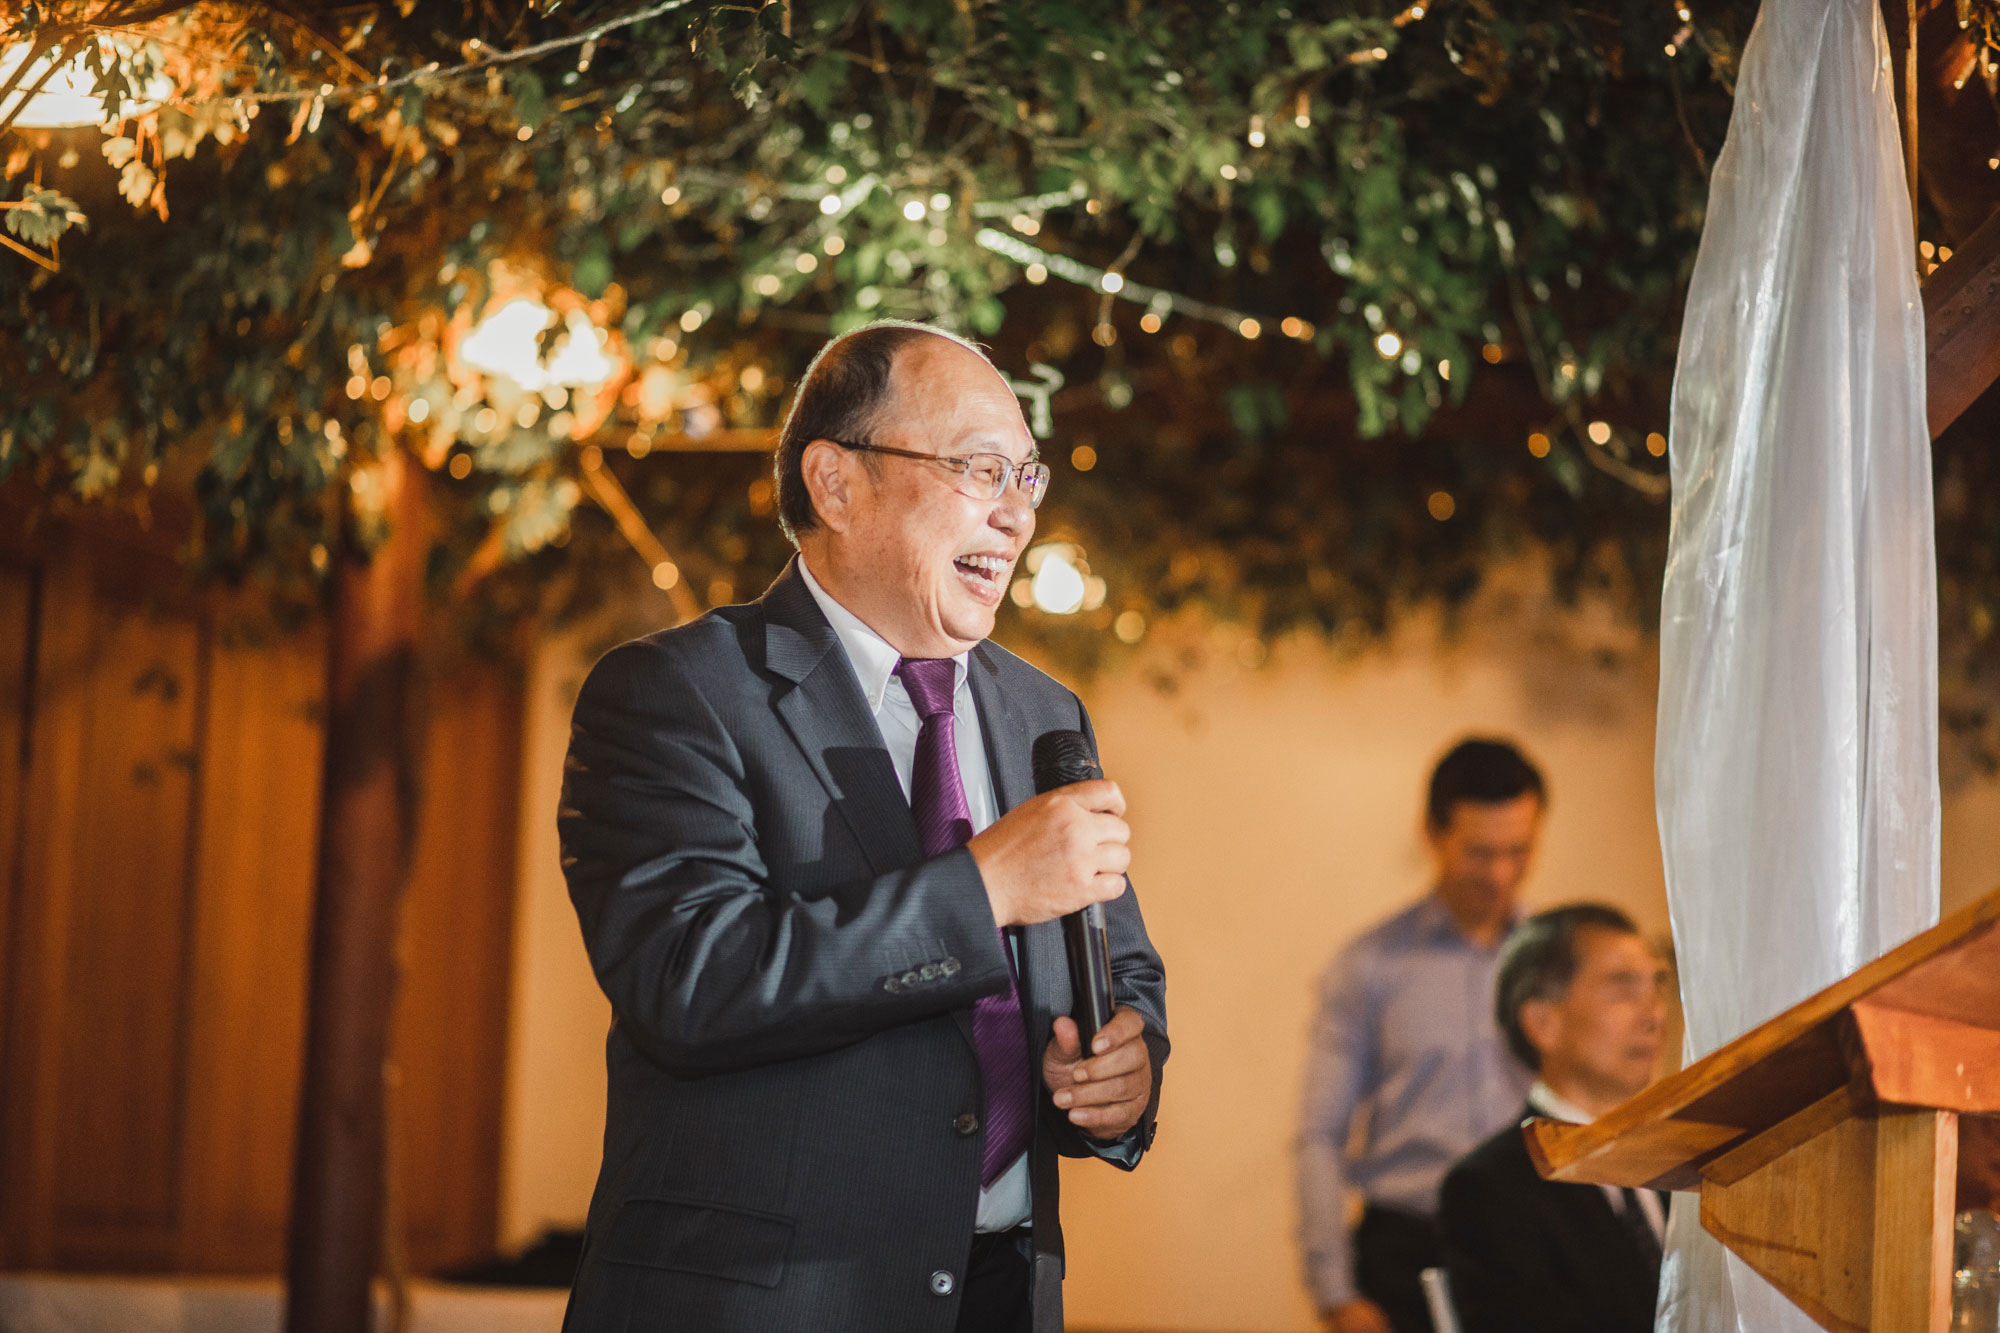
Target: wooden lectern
x=1825 y=1142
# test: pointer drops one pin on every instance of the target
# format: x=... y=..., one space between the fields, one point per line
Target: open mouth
x=986 y=574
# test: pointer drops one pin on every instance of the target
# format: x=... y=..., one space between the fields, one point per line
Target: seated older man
x=1581 y=999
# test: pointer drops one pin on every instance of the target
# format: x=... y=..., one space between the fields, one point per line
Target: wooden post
x=367 y=828
x=1916 y=1159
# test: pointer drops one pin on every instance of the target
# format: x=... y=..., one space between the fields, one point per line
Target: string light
x=1538 y=445
x=913 y=211
x=1389 y=346
x=1039 y=264
x=1600 y=432
x=1256 y=135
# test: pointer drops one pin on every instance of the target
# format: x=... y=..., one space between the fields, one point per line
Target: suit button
x=966 y=1125
x=942 y=1283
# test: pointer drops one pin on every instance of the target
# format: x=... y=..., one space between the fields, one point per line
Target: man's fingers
x=1105 y=1092
x=1107 y=1121
x=1125 y=1026
x=1068 y=1041
x=1101 y=795
x=1123 y=1059
x=1110 y=827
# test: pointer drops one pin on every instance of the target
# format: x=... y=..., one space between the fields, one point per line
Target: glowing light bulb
x=506 y=342
x=1389 y=345
x=1059 y=585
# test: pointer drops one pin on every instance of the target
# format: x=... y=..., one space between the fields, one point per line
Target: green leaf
x=42 y=217
x=531 y=100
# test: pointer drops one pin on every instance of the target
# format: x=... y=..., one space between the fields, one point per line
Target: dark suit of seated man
x=1581 y=1001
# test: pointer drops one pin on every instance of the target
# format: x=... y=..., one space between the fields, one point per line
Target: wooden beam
x=1962 y=326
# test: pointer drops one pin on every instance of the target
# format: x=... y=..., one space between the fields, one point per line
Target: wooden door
x=158 y=808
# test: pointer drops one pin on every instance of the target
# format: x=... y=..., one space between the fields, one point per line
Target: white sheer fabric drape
x=1796 y=766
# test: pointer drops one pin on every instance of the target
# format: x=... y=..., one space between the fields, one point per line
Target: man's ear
x=1539 y=1023
x=824 y=467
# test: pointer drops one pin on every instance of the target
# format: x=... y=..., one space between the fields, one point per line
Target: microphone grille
x=1063 y=757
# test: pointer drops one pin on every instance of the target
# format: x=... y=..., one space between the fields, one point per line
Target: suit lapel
x=822 y=706
x=1008 y=754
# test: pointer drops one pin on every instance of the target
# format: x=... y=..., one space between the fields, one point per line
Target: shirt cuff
x=1332 y=1281
x=1126 y=1149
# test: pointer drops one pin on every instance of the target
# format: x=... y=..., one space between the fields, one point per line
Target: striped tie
x=944 y=821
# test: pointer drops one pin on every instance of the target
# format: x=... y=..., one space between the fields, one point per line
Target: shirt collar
x=1436 y=921
x=872 y=657
x=1552 y=1103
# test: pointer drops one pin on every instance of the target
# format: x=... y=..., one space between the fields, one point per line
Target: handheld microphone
x=1061 y=758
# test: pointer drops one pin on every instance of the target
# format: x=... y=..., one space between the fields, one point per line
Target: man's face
x=1483 y=853
x=927 y=563
x=1601 y=1036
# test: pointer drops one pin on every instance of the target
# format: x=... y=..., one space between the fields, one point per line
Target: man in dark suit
x=817 y=885
x=1581 y=1000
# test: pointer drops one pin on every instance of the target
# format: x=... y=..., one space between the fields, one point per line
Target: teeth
x=992 y=564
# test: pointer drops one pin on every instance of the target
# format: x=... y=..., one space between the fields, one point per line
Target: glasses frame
x=1016 y=474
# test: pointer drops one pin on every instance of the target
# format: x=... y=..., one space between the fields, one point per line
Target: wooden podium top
x=1919 y=1026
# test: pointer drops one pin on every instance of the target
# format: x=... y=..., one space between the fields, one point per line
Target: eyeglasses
x=981 y=476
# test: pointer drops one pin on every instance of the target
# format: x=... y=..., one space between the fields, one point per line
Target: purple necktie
x=944 y=821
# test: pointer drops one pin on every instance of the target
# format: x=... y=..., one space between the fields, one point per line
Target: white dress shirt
x=1004 y=1205
x=1551 y=1103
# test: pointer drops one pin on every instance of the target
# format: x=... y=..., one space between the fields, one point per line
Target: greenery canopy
x=1344 y=300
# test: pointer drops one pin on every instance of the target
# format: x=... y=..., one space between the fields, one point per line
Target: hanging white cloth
x=1796 y=763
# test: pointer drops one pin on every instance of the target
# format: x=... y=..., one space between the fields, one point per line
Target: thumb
x=1069 y=1042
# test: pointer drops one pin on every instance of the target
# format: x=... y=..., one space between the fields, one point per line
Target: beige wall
x=1275 y=813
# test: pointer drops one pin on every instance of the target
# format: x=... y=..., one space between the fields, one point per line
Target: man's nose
x=1012 y=513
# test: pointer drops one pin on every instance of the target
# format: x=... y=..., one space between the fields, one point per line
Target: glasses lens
x=986 y=475
x=1035 y=483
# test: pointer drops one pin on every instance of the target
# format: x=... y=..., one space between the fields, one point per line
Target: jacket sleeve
x=707 y=964
x=1138 y=982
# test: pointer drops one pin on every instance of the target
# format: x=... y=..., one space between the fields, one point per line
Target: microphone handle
x=1089 y=947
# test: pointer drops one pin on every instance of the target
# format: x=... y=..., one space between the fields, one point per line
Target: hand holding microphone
x=1063 y=854
x=1055 y=854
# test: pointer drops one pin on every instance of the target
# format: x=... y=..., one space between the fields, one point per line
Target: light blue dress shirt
x=1405 y=1044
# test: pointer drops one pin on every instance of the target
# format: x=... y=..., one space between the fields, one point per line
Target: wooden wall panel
x=121 y=1034
x=153 y=938
x=261 y=751
x=38 y=923
x=17 y=598
x=451 y=1024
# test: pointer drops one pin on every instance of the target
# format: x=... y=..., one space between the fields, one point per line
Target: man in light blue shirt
x=1405 y=1048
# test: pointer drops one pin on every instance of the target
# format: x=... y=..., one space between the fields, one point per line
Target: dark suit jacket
x=791 y=1141
x=1528 y=1255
